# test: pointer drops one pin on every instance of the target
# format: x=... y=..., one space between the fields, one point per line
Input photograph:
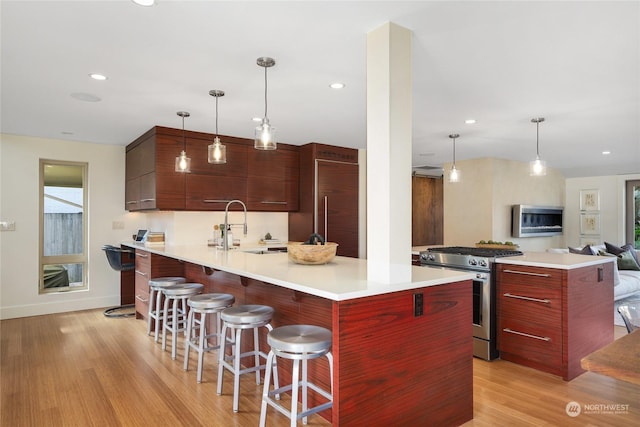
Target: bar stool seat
x=155 y=301
x=297 y=343
x=174 y=295
x=199 y=306
x=235 y=320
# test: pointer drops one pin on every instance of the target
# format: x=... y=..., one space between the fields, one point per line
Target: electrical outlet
x=7 y=226
x=418 y=304
x=117 y=225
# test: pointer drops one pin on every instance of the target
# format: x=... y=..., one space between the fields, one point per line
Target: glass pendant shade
x=537 y=167
x=265 y=138
x=183 y=163
x=217 y=153
x=454 y=174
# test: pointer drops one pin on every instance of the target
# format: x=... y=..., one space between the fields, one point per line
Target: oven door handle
x=544 y=301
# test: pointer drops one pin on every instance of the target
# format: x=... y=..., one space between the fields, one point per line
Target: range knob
x=483 y=263
x=473 y=261
x=427 y=257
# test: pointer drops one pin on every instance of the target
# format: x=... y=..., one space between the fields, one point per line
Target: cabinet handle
x=511 y=331
x=141 y=255
x=326 y=218
x=269 y=202
x=148 y=200
x=215 y=201
x=545 y=301
x=131 y=202
x=142 y=273
x=527 y=273
x=139 y=298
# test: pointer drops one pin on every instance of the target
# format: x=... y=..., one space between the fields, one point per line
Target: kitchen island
x=554 y=309
x=397 y=361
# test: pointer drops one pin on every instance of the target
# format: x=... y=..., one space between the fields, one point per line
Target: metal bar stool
x=155 y=305
x=199 y=307
x=175 y=295
x=235 y=320
x=298 y=343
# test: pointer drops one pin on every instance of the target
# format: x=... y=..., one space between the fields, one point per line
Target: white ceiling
x=502 y=63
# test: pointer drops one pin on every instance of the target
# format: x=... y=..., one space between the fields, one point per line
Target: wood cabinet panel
x=273 y=180
x=328 y=192
x=427 y=211
x=205 y=192
x=437 y=369
x=337 y=205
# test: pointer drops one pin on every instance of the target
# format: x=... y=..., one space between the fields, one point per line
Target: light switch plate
x=117 y=225
x=7 y=226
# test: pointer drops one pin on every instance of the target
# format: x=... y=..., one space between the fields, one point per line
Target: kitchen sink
x=266 y=251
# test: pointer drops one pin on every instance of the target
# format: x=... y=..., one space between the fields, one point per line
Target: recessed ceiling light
x=337 y=85
x=144 y=2
x=606 y=152
x=257 y=119
x=470 y=121
x=96 y=76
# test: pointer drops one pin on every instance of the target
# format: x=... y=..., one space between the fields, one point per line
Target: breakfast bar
x=395 y=346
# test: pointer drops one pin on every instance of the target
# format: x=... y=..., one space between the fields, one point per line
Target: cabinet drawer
x=529 y=276
x=536 y=305
x=142 y=298
x=143 y=261
x=531 y=342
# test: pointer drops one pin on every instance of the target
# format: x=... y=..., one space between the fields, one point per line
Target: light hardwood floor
x=83 y=369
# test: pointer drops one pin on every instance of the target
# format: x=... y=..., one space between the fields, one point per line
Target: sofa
x=626 y=272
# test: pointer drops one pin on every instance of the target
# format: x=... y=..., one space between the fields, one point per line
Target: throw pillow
x=626 y=261
x=613 y=249
x=584 y=251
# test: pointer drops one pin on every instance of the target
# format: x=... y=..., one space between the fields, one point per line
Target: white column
x=389 y=111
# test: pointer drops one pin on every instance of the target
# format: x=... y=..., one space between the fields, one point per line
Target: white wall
x=612 y=206
x=19 y=181
x=479 y=207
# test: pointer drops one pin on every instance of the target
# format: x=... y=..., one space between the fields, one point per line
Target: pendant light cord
x=537 y=139
x=265 y=92
x=216 y=117
x=454 y=151
x=184 y=137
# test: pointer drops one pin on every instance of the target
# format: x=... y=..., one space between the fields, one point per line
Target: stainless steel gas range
x=480 y=261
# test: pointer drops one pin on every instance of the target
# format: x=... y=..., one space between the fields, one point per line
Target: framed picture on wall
x=589 y=223
x=589 y=200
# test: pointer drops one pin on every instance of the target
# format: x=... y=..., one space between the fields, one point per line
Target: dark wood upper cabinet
x=273 y=180
x=264 y=180
x=151 y=182
x=329 y=188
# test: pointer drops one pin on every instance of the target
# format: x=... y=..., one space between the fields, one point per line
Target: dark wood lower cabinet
x=391 y=367
x=549 y=318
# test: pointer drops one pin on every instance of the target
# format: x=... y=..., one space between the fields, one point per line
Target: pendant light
x=537 y=167
x=217 y=153
x=265 y=138
x=183 y=163
x=454 y=174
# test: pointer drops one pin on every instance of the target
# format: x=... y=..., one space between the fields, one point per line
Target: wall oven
x=480 y=262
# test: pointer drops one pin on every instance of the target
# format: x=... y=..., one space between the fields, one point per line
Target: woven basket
x=311 y=254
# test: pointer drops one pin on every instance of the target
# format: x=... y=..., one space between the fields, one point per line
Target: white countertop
x=342 y=279
x=555 y=260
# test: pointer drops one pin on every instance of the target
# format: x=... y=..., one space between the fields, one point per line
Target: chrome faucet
x=227 y=226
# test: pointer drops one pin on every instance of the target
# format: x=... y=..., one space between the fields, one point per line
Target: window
x=63 y=226
x=633 y=213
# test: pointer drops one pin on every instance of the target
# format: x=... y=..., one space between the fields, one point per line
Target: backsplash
x=189 y=228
